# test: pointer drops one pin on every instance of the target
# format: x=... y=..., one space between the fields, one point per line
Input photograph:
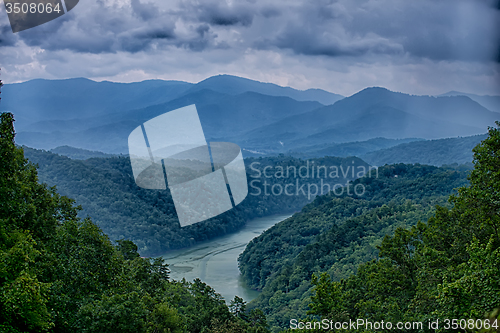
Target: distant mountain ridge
x=42 y=100
x=378 y=112
x=46 y=100
x=52 y=113
x=221 y=116
x=262 y=118
x=378 y=151
x=235 y=85
x=492 y=103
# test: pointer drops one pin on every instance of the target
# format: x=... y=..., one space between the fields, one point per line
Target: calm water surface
x=215 y=262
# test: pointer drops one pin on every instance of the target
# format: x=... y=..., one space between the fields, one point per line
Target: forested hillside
x=59 y=273
x=391 y=255
x=445 y=268
x=335 y=234
x=432 y=152
x=77 y=153
x=356 y=148
x=106 y=190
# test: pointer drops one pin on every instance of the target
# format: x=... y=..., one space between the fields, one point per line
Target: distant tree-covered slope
x=335 y=234
x=59 y=273
x=432 y=152
x=106 y=190
x=356 y=148
x=78 y=153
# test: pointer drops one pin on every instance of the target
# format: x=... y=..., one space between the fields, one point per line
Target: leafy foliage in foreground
x=335 y=234
x=448 y=267
x=59 y=273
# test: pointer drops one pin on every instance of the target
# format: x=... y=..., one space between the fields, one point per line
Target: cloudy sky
x=419 y=47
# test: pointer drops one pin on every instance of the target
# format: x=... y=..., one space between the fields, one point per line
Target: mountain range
x=378 y=151
x=490 y=102
x=262 y=118
x=378 y=112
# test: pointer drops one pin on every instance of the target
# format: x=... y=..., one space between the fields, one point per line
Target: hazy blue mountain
x=221 y=115
x=492 y=103
x=376 y=112
x=108 y=138
x=234 y=85
x=260 y=117
x=83 y=113
x=432 y=152
x=40 y=105
x=44 y=100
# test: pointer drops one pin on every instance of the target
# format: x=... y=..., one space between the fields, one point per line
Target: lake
x=215 y=262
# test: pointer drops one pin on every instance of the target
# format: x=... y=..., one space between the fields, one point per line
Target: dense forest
x=375 y=257
x=356 y=148
x=106 y=191
x=445 y=268
x=60 y=273
x=432 y=152
x=78 y=154
x=335 y=234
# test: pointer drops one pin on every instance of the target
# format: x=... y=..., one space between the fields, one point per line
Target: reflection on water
x=215 y=262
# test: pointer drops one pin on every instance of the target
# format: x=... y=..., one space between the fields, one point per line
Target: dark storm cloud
x=144 y=11
x=305 y=40
x=7 y=38
x=220 y=13
x=105 y=28
x=436 y=30
x=270 y=11
x=200 y=42
x=425 y=29
x=223 y=17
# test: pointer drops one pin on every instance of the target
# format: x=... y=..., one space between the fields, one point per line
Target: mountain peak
x=453 y=93
x=235 y=85
x=375 y=92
